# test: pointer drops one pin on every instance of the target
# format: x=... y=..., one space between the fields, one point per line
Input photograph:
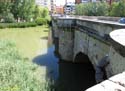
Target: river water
x=67 y=75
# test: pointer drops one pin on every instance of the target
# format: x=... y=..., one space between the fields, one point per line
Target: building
x=77 y=1
x=44 y=3
x=41 y=2
x=69 y=8
x=59 y=10
x=81 y=1
x=52 y=6
x=84 y=1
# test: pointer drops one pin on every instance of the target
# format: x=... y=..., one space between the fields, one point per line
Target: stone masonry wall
x=117 y=62
x=91 y=38
x=94 y=48
x=65 y=33
x=66 y=45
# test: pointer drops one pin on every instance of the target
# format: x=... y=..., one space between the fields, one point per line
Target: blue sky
x=62 y=2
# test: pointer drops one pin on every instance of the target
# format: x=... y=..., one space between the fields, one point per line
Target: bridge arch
x=80 y=57
x=87 y=69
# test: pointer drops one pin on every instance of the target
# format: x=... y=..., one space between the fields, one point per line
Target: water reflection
x=68 y=76
x=48 y=59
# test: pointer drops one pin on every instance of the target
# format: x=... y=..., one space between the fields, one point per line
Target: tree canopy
x=23 y=10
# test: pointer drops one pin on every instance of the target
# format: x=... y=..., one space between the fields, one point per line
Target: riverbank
x=29 y=41
x=19 y=71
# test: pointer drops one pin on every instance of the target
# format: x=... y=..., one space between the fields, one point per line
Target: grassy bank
x=28 y=40
x=17 y=48
x=17 y=73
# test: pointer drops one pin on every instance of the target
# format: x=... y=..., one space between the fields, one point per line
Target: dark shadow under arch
x=81 y=58
x=87 y=69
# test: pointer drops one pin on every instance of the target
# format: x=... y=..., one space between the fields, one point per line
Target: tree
x=40 y=11
x=23 y=9
x=5 y=7
x=16 y=8
x=26 y=12
x=45 y=12
x=5 y=12
x=36 y=12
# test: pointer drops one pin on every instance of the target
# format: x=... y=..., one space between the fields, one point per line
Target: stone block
x=119 y=79
x=107 y=86
x=98 y=87
x=111 y=86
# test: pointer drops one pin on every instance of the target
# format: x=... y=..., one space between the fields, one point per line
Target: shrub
x=41 y=21
x=2 y=26
x=118 y=9
x=48 y=19
x=9 y=18
x=40 y=11
x=92 y=9
x=17 y=73
x=17 y=25
x=79 y=9
x=26 y=24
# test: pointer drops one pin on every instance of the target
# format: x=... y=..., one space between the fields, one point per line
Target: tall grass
x=17 y=73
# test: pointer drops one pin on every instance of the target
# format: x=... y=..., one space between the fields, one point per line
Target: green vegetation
x=22 y=11
x=41 y=12
x=18 y=25
x=117 y=9
x=28 y=40
x=18 y=46
x=41 y=21
x=92 y=9
x=20 y=42
x=17 y=73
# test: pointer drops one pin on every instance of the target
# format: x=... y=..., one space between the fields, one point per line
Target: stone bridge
x=77 y=39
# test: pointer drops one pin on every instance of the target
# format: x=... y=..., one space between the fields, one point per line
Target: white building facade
x=44 y=3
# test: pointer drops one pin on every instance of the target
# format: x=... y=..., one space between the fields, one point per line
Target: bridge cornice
x=94 y=20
